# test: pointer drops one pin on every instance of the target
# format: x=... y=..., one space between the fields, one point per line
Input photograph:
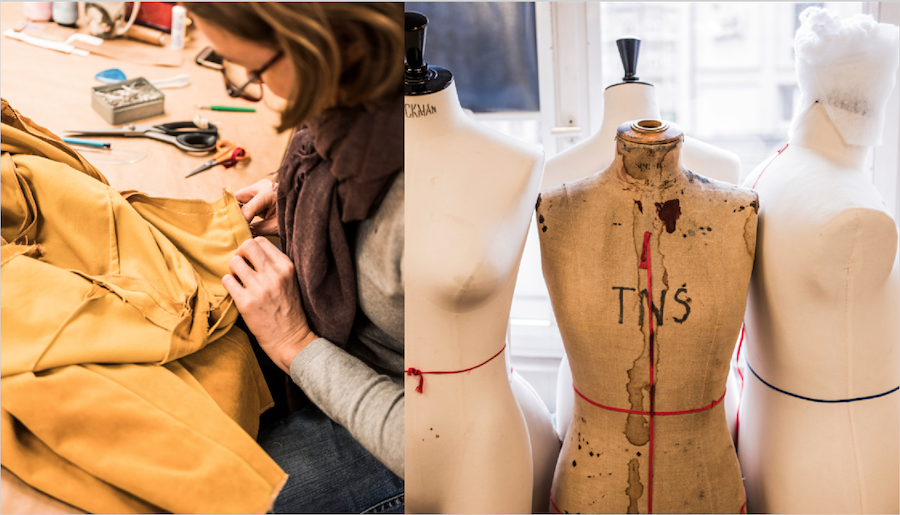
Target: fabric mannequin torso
x=592 y=235
x=821 y=323
x=545 y=443
x=633 y=101
x=471 y=192
x=622 y=102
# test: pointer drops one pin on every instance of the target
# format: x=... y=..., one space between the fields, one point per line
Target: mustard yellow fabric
x=123 y=385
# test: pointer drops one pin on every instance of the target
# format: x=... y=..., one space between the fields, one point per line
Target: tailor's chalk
x=228 y=108
x=88 y=142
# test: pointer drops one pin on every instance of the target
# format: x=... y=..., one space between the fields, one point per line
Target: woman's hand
x=260 y=199
x=265 y=290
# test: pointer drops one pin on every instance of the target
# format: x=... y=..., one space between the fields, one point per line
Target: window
x=490 y=49
x=788 y=94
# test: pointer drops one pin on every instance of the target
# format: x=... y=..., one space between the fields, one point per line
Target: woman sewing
x=328 y=309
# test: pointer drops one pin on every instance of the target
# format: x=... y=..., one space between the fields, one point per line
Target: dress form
x=633 y=100
x=629 y=100
x=701 y=248
x=470 y=194
x=822 y=323
x=545 y=442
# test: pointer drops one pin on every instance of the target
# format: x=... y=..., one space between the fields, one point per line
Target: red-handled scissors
x=229 y=155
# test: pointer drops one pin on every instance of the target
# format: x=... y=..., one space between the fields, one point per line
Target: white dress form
x=545 y=443
x=701 y=240
x=623 y=102
x=470 y=195
x=821 y=323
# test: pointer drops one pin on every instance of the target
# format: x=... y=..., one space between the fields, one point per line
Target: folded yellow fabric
x=123 y=385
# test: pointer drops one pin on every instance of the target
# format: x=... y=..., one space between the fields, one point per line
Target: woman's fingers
x=258 y=205
x=241 y=271
x=245 y=194
x=266 y=246
x=233 y=287
x=275 y=257
x=252 y=251
x=259 y=200
x=270 y=266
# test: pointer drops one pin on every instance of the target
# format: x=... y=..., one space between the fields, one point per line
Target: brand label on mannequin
x=680 y=297
x=418 y=110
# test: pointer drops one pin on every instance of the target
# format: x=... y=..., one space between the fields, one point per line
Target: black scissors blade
x=175 y=128
x=204 y=167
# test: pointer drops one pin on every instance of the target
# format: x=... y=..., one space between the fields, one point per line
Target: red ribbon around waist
x=416 y=372
x=639 y=412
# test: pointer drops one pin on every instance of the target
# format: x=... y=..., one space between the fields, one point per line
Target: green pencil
x=228 y=108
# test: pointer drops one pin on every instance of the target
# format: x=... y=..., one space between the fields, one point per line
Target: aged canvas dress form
x=469 y=198
x=124 y=387
x=631 y=99
x=701 y=246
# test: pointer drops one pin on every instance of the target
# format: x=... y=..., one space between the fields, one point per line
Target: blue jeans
x=329 y=471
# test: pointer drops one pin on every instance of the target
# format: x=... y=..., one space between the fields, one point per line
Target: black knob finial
x=629 y=48
x=416 y=67
x=421 y=79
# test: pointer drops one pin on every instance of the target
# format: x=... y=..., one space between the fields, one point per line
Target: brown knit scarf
x=337 y=170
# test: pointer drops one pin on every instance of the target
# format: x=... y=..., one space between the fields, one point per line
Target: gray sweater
x=361 y=388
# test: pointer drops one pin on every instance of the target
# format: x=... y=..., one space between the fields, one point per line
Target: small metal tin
x=132 y=109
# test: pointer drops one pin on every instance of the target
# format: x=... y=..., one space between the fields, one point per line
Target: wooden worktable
x=53 y=89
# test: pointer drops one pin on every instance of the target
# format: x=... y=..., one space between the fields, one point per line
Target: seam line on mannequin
x=853 y=434
x=457 y=478
x=859 y=474
x=460 y=401
x=848 y=393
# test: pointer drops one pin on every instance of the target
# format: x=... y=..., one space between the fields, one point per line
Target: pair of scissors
x=184 y=135
x=229 y=155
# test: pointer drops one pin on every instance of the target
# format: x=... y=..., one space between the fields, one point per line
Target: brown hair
x=317 y=38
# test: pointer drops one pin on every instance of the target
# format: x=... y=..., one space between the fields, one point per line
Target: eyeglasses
x=252 y=87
